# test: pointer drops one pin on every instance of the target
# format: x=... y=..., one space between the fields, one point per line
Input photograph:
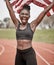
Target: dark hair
x=27 y=7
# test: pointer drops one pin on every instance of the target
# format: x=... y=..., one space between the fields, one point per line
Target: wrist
x=7 y=0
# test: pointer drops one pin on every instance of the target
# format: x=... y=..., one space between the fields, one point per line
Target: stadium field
x=39 y=35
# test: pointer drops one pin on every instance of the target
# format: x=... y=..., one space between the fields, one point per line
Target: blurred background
x=43 y=39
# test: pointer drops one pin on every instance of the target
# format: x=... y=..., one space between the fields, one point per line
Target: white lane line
x=3 y=49
x=42 y=58
x=47 y=50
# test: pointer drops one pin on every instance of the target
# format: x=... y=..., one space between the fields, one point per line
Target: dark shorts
x=26 y=57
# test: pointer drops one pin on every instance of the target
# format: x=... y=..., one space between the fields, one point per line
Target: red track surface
x=44 y=52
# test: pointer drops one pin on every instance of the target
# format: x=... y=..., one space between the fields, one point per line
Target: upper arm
x=35 y=22
x=14 y=19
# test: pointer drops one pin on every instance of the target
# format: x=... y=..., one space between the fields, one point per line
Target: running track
x=44 y=52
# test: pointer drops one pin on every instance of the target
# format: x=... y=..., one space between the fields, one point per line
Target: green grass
x=44 y=36
x=7 y=34
x=39 y=35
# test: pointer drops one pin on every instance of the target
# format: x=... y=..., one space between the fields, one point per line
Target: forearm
x=41 y=16
x=48 y=7
x=8 y=5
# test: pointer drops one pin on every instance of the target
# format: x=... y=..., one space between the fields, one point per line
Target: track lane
x=8 y=57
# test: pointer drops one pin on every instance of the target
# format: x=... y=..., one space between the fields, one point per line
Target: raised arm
x=11 y=12
x=35 y=23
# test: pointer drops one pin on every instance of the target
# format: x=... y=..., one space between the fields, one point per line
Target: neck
x=24 y=24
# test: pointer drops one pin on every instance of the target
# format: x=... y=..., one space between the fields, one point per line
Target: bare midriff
x=24 y=44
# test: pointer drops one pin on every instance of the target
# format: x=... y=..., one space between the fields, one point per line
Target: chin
x=24 y=22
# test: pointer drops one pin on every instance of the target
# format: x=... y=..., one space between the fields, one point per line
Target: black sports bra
x=24 y=34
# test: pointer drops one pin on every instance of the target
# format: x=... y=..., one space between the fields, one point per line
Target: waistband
x=24 y=51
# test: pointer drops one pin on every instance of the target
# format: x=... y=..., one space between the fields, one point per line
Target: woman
x=24 y=33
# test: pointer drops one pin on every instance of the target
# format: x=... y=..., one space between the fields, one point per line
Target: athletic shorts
x=25 y=57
